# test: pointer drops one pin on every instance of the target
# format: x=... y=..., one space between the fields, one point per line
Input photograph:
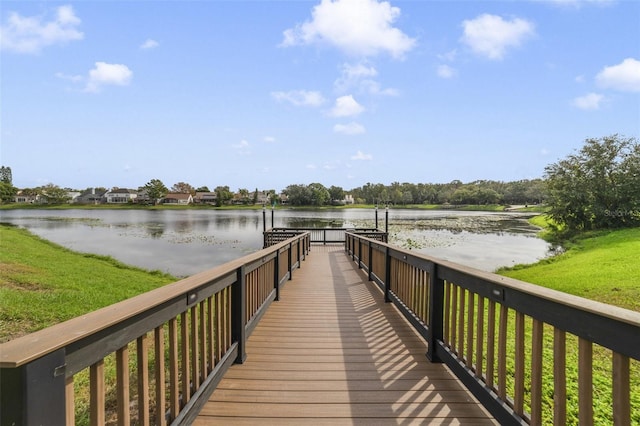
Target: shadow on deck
x=332 y=352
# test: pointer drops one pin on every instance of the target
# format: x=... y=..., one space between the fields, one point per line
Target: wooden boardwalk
x=332 y=352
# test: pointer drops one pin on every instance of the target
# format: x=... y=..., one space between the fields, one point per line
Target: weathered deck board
x=332 y=352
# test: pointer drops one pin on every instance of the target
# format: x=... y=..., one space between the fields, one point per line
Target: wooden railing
x=151 y=359
x=321 y=235
x=531 y=355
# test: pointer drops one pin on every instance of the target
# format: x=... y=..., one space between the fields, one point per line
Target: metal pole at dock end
x=386 y=219
x=376 y=216
x=264 y=218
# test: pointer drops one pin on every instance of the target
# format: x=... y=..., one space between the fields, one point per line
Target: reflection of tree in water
x=183 y=226
x=314 y=223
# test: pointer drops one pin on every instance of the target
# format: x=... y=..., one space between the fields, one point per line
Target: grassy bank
x=42 y=283
x=601 y=266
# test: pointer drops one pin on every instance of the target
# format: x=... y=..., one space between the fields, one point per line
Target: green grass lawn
x=602 y=266
x=42 y=283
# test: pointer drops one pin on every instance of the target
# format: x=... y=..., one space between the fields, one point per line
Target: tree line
x=594 y=188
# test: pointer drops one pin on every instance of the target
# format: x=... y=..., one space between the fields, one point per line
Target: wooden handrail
x=478 y=322
x=198 y=328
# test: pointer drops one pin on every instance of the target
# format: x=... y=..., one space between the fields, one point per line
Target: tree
x=7 y=190
x=319 y=194
x=203 y=189
x=183 y=188
x=223 y=195
x=336 y=194
x=5 y=175
x=55 y=194
x=598 y=187
x=155 y=190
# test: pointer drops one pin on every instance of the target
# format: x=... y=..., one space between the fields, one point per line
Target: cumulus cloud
x=149 y=44
x=105 y=74
x=361 y=76
x=491 y=35
x=32 y=34
x=362 y=156
x=352 y=128
x=346 y=106
x=590 y=101
x=624 y=77
x=242 y=147
x=356 y=27
x=445 y=71
x=300 y=97
x=269 y=139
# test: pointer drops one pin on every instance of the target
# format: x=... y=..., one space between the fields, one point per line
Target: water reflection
x=184 y=242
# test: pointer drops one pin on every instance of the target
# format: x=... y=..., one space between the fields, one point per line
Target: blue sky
x=265 y=94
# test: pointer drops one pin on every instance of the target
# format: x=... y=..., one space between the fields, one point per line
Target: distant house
x=348 y=199
x=121 y=196
x=178 y=198
x=205 y=198
x=22 y=197
x=73 y=196
x=92 y=196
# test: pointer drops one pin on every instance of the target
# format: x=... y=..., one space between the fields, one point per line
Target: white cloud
x=491 y=36
x=624 y=77
x=352 y=128
x=73 y=78
x=445 y=71
x=300 y=97
x=108 y=74
x=357 y=27
x=346 y=106
x=269 y=139
x=242 y=147
x=590 y=101
x=362 y=156
x=149 y=44
x=311 y=166
x=360 y=76
x=31 y=34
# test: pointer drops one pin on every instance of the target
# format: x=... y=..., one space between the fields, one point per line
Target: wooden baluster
x=447 y=313
x=69 y=399
x=142 y=355
x=559 y=377
x=518 y=397
x=184 y=349
x=211 y=348
x=174 y=385
x=502 y=353
x=470 y=328
x=202 y=354
x=621 y=390
x=491 y=342
x=97 y=397
x=480 y=337
x=461 y=309
x=161 y=405
x=195 y=365
x=454 y=318
x=585 y=382
x=536 y=372
x=122 y=385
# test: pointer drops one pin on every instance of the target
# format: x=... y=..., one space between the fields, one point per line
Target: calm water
x=184 y=242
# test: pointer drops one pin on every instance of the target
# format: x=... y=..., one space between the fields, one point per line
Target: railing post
x=436 y=313
x=387 y=274
x=238 y=308
x=276 y=274
x=370 y=266
x=290 y=262
x=34 y=394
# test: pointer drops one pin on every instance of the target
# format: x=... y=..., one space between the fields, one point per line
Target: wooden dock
x=332 y=352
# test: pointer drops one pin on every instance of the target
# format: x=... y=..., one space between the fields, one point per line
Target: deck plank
x=332 y=352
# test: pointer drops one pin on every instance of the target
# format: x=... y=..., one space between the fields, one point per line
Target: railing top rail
x=25 y=349
x=448 y=269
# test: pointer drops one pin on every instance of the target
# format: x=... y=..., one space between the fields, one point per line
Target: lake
x=184 y=242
